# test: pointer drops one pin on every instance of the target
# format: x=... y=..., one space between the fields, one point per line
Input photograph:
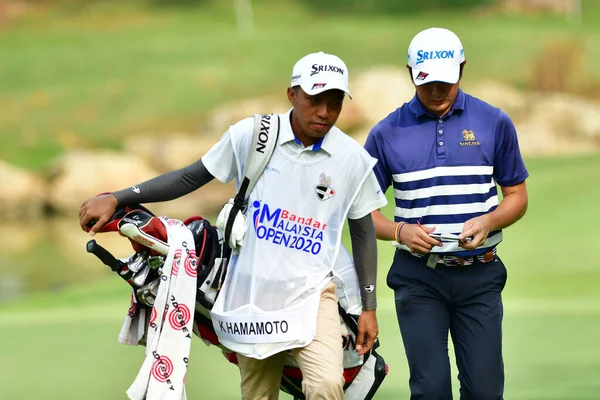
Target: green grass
x=88 y=77
x=64 y=345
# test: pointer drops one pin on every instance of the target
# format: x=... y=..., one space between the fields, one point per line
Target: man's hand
x=98 y=209
x=367 y=332
x=479 y=228
x=417 y=238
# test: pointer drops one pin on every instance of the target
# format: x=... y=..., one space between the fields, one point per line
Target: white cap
x=435 y=55
x=318 y=72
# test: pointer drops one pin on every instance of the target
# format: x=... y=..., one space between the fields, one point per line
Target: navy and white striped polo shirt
x=444 y=170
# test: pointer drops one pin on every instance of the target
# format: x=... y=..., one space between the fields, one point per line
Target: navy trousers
x=463 y=301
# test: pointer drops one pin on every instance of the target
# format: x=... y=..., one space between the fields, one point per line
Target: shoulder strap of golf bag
x=264 y=140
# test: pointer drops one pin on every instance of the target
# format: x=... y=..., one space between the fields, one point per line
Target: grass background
x=86 y=77
x=63 y=346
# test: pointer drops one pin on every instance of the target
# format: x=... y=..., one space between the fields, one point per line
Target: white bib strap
x=264 y=140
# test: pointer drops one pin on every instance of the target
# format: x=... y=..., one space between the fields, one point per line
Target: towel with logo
x=168 y=324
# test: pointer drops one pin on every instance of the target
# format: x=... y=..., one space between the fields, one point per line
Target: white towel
x=169 y=327
x=133 y=331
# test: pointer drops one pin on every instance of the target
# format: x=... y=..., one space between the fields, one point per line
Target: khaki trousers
x=320 y=361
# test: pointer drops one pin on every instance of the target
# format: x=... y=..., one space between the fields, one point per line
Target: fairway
x=86 y=75
x=64 y=346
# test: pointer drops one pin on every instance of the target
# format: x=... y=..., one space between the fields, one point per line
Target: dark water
x=48 y=255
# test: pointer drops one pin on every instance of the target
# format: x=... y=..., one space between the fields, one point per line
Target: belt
x=458 y=261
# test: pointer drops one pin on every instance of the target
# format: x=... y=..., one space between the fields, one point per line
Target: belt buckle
x=432 y=260
x=488 y=256
x=461 y=261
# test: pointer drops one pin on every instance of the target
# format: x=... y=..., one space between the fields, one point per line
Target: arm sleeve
x=218 y=162
x=166 y=187
x=509 y=168
x=364 y=251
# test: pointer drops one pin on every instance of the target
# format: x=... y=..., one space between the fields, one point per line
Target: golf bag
x=142 y=270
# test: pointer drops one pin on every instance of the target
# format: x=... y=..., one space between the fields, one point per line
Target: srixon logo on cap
x=316 y=68
x=433 y=55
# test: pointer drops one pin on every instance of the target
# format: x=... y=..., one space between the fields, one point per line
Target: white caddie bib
x=296 y=212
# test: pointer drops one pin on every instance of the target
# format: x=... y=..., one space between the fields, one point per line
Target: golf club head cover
x=144 y=230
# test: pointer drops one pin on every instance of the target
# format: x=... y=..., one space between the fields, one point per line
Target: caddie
x=278 y=294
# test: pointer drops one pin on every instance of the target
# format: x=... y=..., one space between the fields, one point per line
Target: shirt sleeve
x=370 y=197
x=509 y=168
x=375 y=147
x=220 y=159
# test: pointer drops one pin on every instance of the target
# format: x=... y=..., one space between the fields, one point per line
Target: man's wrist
x=368 y=301
x=398 y=231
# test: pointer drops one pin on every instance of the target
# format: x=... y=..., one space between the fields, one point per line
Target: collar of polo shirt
x=417 y=108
